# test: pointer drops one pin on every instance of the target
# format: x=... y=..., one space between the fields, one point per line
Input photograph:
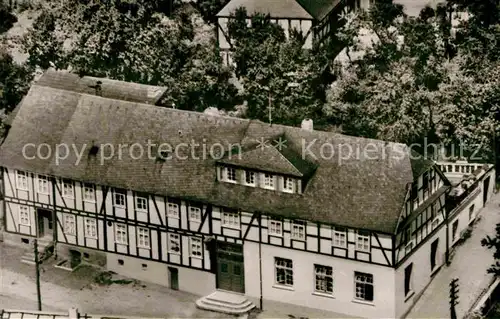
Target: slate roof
x=275 y=8
x=365 y=191
x=112 y=89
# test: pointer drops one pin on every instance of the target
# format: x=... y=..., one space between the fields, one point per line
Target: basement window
x=144 y=266
x=120 y=262
x=25 y=240
x=86 y=255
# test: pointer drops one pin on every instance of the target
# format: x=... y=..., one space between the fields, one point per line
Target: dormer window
x=288 y=184
x=250 y=178
x=230 y=174
x=268 y=181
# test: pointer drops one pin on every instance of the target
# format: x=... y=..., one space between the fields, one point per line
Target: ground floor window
x=323 y=279
x=69 y=224
x=408 y=285
x=283 y=271
x=364 y=286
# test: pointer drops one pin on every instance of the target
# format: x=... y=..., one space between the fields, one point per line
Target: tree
x=133 y=41
x=282 y=82
x=7 y=19
x=14 y=81
x=494 y=244
x=209 y=9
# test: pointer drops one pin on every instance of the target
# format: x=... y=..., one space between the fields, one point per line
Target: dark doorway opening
x=173 y=278
x=45 y=223
x=230 y=267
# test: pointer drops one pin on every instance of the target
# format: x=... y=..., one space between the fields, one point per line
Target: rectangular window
x=173 y=210
x=120 y=198
x=268 y=181
x=324 y=279
x=275 y=227
x=69 y=224
x=67 y=189
x=121 y=234
x=363 y=240
x=141 y=203
x=364 y=286
x=230 y=174
x=414 y=194
x=88 y=193
x=283 y=271
x=434 y=248
x=230 y=219
x=408 y=281
x=454 y=230
x=194 y=214
x=90 y=228
x=250 y=178
x=174 y=244
x=22 y=180
x=425 y=185
x=339 y=237
x=43 y=184
x=143 y=237
x=24 y=215
x=298 y=230
x=288 y=184
x=196 y=247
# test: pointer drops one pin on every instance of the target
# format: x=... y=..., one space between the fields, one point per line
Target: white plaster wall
x=342 y=299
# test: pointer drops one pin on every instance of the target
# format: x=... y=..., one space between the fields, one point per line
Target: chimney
x=307 y=124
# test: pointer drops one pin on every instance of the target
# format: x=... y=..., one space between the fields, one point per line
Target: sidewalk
x=469 y=265
x=62 y=290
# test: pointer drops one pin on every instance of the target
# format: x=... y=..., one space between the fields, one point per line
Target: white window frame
x=43 y=185
x=363 y=279
x=230 y=219
x=174 y=240
x=24 y=215
x=143 y=237
x=141 y=204
x=122 y=198
x=68 y=189
x=69 y=220
x=295 y=231
x=268 y=181
x=173 y=210
x=252 y=175
x=285 y=265
x=275 y=227
x=322 y=275
x=196 y=247
x=339 y=238
x=229 y=172
x=90 y=224
x=88 y=193
x=194 y=214
x=288 y=184
x=362 y=242
x=22 y=180
x=121 y=234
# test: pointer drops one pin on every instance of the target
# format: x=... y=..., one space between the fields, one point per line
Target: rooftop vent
x=307 y=124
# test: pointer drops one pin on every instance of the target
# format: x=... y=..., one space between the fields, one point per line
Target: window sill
x=22 y=189
x=90 y=237
x=90 y=201
x=409 y=295
x=283 y=287
x=195 y=221
x=43 y=193
x=68 y=197
x=26 y=225
x=297 y=239
x=250 y=185
x=269 y=188
x=231 y=227
x=141 y=211
x=174 y=253
x=121 y=244
x=276 y=235
x=363 y=251
x=119 y=206
x=363 y=302
x=143 y=247
x=196 y=257
x=69 y=234
x=174 y=217
x=322 y=294
x=340 y=246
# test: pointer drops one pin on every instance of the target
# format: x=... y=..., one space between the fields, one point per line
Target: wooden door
x=230 y=267
x=173 y=278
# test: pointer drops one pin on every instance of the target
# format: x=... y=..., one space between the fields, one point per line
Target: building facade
x=358 y=235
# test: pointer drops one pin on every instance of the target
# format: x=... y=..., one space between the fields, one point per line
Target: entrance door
x=434 y=247
x=45 y=223
x=486 y=187
x=230 y=270
x=173 y=278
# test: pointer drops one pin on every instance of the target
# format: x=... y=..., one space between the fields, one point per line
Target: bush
x=7 y=19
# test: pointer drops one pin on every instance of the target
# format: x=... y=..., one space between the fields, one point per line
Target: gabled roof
x=275 y=8
x=365 y=191
x=269 y=157
x=319 y=9
x=112 y=89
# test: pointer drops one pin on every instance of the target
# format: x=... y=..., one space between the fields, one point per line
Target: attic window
x=93 y=150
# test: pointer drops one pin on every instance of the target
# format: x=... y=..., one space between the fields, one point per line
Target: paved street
x=469 y=264
x=62 y=290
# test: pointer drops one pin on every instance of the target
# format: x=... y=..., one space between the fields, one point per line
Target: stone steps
x=227 y=303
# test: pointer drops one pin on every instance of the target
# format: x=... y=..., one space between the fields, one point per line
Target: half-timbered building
x=316 y=20
x=201 y=203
